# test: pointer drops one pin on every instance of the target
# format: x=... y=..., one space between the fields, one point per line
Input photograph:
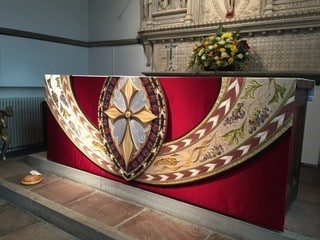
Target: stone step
x=19 y=224
x=91 y=207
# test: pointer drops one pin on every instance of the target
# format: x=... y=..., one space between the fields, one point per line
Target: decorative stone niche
x=283 y=34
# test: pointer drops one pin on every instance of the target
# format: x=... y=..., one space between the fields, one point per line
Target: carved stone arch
x=263 y=5
x=219 y=8
x=241 y=7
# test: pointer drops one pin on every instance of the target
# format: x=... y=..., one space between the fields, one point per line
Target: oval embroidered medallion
x=132 y=122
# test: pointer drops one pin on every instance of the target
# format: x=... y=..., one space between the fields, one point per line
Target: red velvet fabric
x=254 y=191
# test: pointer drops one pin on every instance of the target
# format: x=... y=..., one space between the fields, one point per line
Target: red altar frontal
x=239 y=131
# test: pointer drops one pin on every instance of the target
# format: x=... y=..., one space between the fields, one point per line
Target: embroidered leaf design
x=251 y=88
x=279 y=91
x=234 y=136
x=166 y=161
x=64 y=112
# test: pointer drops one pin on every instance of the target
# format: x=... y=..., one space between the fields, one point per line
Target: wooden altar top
x=311 y=75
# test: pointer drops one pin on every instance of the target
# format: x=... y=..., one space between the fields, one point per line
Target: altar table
x=257 y=190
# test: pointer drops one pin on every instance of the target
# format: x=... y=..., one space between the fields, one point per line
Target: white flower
x=203 y=57
x=240 y=55
x=224 y=55
x=221 y=42
x=210 y=47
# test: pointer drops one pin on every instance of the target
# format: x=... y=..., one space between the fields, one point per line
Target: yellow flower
x=215 y=46
x=226 y=35
x=222 y=49
x=201 y=52
x=231 y=60
x=205 y=43
x=219 y=62
x=233 y=48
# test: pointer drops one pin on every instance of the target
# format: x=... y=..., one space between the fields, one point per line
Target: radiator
x=25 y=127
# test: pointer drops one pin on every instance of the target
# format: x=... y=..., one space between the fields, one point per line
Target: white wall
x=311 y=145
x=63 y=18
x=23 y=61
x=120 y=60
x=114 y=20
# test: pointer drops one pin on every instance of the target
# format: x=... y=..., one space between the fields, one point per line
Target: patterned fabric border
x=249 y=114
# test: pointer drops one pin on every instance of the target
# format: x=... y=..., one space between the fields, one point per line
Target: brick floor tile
x=63 y=191
x=105 y=208
x=153 y=225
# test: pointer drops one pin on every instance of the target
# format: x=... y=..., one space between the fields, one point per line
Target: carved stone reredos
x=285 y=23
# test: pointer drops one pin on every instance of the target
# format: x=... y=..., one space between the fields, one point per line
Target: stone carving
x=230 y=8
x=148 y=52
x=286 y=6
x=8 y=112
x=164 y=12
x=147 y=9
x=164 y=5
x=275 y=30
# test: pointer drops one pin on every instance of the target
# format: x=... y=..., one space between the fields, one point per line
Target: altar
x=227 y=144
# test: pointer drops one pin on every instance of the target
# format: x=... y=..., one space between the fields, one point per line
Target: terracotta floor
x=130 y=220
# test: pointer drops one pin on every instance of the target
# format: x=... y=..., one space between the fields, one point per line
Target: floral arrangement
x=223 y=51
